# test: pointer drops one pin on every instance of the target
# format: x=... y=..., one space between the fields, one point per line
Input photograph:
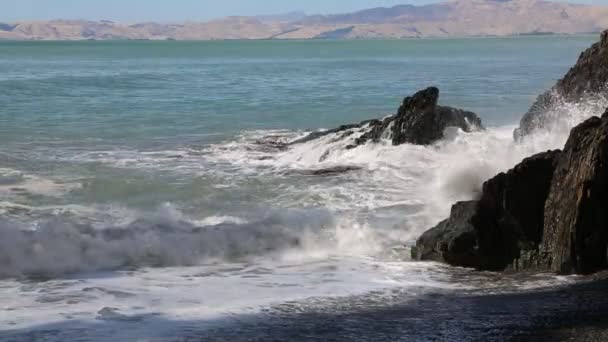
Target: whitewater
x=158 y=199
x=113 y=264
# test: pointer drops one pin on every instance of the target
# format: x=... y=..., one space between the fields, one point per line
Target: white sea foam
x=14 y=182
x=132 y=304
x=347 y=238
x=435 y=176
x=399 y=192
x=65 y=245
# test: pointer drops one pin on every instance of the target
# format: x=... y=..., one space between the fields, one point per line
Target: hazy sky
x=175 y=10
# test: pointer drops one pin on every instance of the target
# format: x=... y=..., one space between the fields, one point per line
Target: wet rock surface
x=453 y=241
x=327 y=172
x=548 y=213
x=589 y=77
x=419 y=120
x=492 y=232
x=509 y=218
x=576 y=219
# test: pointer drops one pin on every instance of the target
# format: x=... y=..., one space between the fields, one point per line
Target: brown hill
x=456 y=18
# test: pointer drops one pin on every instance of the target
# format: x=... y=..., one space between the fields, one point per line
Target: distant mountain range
x=455 y=18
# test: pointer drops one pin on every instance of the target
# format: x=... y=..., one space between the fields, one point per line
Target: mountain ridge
x=454 y=18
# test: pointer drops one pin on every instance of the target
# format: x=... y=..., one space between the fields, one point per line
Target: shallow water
x=138 y=199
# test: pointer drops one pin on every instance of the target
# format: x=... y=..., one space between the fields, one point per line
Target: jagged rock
x=375 y=132
x=419 y=121
x=510 y=215
x=319 y=134
x=493 y=232
x=588 y=77
x=453 y=241
x=576 y=213
x=548 y=213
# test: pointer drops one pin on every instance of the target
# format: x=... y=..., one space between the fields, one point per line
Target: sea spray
x=436 y=176
x=399 y=192
x=59 y=246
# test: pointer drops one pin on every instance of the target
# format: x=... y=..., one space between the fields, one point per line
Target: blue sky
x=174 y=10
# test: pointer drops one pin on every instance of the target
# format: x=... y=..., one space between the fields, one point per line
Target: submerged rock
x=548 y=213
x=319 y=134
x=589 y=77
x=330 y=171
x=271 y=142
x=418 y=121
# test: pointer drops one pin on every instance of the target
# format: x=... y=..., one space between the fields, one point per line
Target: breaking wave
x=377 y=199
x=167 y=238
x=433 y=177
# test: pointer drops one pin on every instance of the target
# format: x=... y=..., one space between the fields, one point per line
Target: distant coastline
x=514 y=36
x=452 y=19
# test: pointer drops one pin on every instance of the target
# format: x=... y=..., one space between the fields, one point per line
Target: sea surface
x=142 y=197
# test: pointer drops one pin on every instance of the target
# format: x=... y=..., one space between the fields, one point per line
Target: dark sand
x=577 y=312
x=495 y=309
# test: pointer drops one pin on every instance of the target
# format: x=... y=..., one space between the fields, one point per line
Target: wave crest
x=60 y=246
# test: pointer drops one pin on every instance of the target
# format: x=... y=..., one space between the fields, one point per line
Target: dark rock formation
x=510 y=215
x=419 y=121
x=548 y=213
x=576 y=212
x=492 y=232
x=453 y=241
x=320 y=134
x=337 y=170
x=588 y=77
x=330 y=171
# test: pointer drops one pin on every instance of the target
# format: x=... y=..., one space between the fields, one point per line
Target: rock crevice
x=547 y=214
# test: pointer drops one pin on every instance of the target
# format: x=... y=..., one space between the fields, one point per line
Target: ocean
x=140 y=202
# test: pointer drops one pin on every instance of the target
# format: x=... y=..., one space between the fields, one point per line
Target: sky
x=180 y=10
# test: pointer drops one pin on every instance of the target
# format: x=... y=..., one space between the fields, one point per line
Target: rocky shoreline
x=547 y=213
x=586 y=80
x=419 y=121
x=575 y=312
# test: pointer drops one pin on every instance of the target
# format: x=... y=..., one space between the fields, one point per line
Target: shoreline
x=387 y=39
x=576 y=311
x=554 y=311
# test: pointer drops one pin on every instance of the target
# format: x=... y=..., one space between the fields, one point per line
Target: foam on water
x=340 y=235
x=204 y=292
x=15 y=182
x=399 y=192
x=433 y=177
x=166 y=238
x=162 y=305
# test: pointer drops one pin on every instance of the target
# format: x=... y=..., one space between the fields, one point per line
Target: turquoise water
x=61 y=100
x=146 y=161
x=135 y=91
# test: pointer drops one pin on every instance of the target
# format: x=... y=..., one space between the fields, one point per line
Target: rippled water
x=137 y=189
